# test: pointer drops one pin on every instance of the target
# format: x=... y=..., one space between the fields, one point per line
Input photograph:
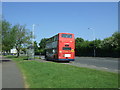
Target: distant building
x=13 y=51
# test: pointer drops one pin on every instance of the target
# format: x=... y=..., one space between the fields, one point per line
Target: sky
x=70 y=17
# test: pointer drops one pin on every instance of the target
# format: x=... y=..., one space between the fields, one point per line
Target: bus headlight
x=60 y=51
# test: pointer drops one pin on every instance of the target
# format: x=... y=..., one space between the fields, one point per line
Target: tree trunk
x=18 y=52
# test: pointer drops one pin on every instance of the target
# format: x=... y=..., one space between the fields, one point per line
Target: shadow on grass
x=28 y=59
x=25 y=59
x=11 y=56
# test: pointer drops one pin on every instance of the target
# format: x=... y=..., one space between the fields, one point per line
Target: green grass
x=37 y=58
x=57 y=75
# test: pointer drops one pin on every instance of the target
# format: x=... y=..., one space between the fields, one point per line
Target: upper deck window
x=67 y=35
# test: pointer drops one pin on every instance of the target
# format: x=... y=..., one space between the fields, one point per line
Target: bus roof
x=65 y=33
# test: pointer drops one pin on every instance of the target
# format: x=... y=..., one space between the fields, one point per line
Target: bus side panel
x=52 y=49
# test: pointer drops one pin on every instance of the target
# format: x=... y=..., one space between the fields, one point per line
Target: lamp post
x=93 y=31
x=33 y=29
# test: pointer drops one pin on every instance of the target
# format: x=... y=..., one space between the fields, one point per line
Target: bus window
x=53 y=50
x=66 y=45
x=67 y=35
x=66 y=48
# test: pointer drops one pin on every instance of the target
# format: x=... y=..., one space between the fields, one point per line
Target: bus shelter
x=30 y=53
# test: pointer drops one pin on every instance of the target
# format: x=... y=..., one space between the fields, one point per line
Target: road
x=107 y=64
x=11 y=75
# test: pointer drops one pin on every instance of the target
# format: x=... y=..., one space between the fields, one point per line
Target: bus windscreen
x=67 y=35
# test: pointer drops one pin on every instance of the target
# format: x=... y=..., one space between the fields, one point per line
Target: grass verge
x=56 y=75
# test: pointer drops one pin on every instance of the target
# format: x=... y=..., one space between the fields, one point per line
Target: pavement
x=11 y=75
x=0 y=73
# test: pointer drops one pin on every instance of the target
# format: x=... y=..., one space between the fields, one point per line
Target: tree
x=78 y=40
x=36 y=48
x=78 y=47
x=21 y=37
x=42 y=45
x=111 y=46
x=116 y=41
x=7 y=37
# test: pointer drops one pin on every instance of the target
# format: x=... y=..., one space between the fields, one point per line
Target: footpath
x=11 y=75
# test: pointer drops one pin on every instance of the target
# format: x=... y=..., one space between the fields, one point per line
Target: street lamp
x=33 y=29
x=93 y=31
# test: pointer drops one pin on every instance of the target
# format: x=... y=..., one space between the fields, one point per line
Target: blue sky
x=71 y=17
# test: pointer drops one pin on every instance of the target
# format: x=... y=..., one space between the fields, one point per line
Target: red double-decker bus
x=60 y=47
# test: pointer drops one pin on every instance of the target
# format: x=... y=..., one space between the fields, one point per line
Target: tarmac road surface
x=0 y=73
x=108 y=64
